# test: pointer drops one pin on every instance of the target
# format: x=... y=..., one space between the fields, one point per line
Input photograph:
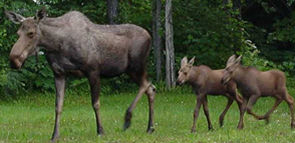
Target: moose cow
x=75 y=45
x=207 y=81
x=254 y=84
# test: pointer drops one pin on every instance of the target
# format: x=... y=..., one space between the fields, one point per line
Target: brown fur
x=75 y=45
x=206 y=81
x=254 y=84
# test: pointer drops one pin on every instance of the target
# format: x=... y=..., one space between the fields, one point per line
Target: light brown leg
x=144 y=87
x=266 y=115
x=151 y=92
x=289 y=99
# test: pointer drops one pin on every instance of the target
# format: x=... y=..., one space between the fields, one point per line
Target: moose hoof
x=128 y=117
x=193 y=130
x=240 y=127
x=126 y=125
x=54 y=139
x=150 y=130
x=267 y=121
x=100 y=132
x=221 y=124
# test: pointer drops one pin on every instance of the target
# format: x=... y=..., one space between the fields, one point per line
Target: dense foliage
x=263 y=32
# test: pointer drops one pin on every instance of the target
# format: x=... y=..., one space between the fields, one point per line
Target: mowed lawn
x=30 y=118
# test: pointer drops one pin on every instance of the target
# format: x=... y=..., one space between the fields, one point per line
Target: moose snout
x=178 y=82
x=15 y=63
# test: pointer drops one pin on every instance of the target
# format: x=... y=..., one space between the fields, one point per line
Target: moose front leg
x=60 y=91
x=251 y=102
x=200 y=99
x=94 y=82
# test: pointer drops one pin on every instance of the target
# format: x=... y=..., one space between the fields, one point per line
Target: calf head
x=185 y=70
x=29 y=35
x=231 y=67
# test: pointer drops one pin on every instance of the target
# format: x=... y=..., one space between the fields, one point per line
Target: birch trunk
x=170 y=74
x=157 y=37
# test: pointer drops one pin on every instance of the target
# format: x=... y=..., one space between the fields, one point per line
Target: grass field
x=31 y=118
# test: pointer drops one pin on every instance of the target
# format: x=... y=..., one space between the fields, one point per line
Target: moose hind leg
x=206 y=111
x=140 y=79
x=221 y=117
x=290 y=100
x=266 y=115
x=151 y=92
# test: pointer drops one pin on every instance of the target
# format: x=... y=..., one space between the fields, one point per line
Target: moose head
x=185 y=70
x=231 y=66
x=29 y=37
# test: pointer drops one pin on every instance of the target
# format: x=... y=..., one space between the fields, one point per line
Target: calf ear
x=238 y=60
x=41 y=14
x=183 y=61
x=14 y=17
x=191 y=62
x=231 y=59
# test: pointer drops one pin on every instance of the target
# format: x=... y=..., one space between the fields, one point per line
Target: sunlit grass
x=30 y=118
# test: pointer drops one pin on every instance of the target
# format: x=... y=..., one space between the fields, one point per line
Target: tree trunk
x=237 y=6
x=157 y=37
x=112 y=6
x=170 y=75
x=225 y=2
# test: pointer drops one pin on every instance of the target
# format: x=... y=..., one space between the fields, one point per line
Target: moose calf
x=254 y=84
x=207 y=81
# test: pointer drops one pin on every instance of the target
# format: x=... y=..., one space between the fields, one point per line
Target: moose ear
x=14 y=17
x=238 y=60
x=191 y=62
x=184 y=61
x=41 y=14
x=231 y=59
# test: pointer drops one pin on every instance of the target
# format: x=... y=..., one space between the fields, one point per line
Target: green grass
x=31 y=119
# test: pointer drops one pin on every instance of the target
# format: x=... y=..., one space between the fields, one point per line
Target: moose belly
x=113 y=68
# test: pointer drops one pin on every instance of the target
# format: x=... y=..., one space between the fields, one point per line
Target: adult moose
x=207 y=81
x=254 y=84
x=75 y=45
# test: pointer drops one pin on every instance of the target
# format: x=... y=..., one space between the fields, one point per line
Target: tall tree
x=225 y=2
x=237 y=6
x=170 y=74
x=112 y=11
x=157 y=37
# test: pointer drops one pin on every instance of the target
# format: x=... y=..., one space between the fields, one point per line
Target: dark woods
x=212 y=31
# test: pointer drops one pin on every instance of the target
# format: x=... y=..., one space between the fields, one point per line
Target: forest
x=210 y=30
x=262 y=32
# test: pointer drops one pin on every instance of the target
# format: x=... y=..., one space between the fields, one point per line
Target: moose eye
x=31 y=34
x=185 y=73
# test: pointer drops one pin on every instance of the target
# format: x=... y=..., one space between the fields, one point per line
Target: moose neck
x=193 y=77
x=50 y=31
x=239 y=75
